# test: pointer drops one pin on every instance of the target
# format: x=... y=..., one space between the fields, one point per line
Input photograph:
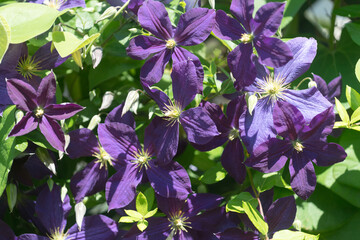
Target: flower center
x=28 y=68
x=178 y=222
x=172 y=112
x=58 y=235
x=298 y=146
x=272 y=87
x=233 y=134
x=170 y=44
x=55 y=3
x=142 y=158
x=246 y=38
x=39 y=112
x=103 y=158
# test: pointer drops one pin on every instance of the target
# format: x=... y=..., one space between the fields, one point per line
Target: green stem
x=222 y=41
x=332 y=26
x=307 y=78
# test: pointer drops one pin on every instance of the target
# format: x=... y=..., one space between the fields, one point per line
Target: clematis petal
x=268 y=18
x=170 y=181
x=6 y=232
x=5 y=99
x=270 y=156
x=12 y=56
x=116 y=116
x=326 y=154
x=304 y=51
x=83 y=143
x=153 y=17
x=235 y=109
x=120 y=189
x=31 y=237
x=27 y=124
x=194 y=26
x=119 y=140
x=52 y=132
x=141 y=47
x=321 y=85
x=94 y=228
x=153 y=69
x=46 y=91
x=243 y=11
x=272 y=51
x=236 y=233
x=158 y=228
x=232 y=160
x=22 y=94
x=161 y=99
x=226 y=27
x=281 y=214
x=334 y=89
x=241 y=66
x=302 y=175
x=88 y=181
x=201 y=202
x=62 y=111
x=199 y=127
x=72 y=4
x=48 y=59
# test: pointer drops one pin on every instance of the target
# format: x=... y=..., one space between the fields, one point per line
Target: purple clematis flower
x=251 y=32
x=199 y=127
x=274 y=87
x=303 y=144
x=40 y=109
x=182 y=219
x=137 y=163
x=83 y=143
x=61 y=4
x=229 y=128
x=329 y=91
x=193 y=28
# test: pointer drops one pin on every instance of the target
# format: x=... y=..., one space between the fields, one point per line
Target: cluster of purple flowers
x=284 y=124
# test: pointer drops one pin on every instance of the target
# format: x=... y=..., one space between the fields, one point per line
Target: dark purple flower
x=61 y=4
x=193 y=28
x=252 y=32
x=40 y=109
x=199 y=127
x=83 y=143
x=229 y=128
x=272 y=88
x=303 y=144
x=329 y=91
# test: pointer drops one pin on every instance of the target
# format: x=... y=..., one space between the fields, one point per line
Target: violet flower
x=193 y=28
x=61 y=4
x=137 y=163
x=40 y=109
x=329 y=91
x=303 y=144
x=229 y=128
x=199 y=127
x=252 y=32
x=83 y=143
x=272 y=88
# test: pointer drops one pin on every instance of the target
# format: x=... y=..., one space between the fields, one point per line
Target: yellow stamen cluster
x=142 y=158
x=39 y=112
x=233 y=134
x=103 y=158
x=246 y=38
x=178 y=222
x=58 y=235
x=172 y=112
x=272 y=87
x=28 y=68
x=55 y=3
x=170 y=44
x=298 y=146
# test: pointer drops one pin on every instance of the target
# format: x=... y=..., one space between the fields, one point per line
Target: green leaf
x=348 y=11
x=266 y=181
x=342 y=111
x=134 y=214
x=151 y=213
x=354 y=31
x=67 y=43
x=255 y=217
x=353 y=97
x=340 y=125
x=38 y=138
x=127 y=219
x=150 y=197
x=141 y=204
x=357 y=70
x=355 y=116
x=21 y=144
x=236 y=203
x=214 y=174
x=84 y=20
x=5 y=37
x=27 y=20
x=292 y=235
x=142 y=225
x=291 y=8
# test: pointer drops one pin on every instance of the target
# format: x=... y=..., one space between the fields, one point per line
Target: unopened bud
x=45 y=157
x=11 y=192
x=312 y=84
x=109 y=12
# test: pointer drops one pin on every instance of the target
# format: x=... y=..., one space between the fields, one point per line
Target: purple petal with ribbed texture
x=194 y=26
x=116 y=116
x=208 y=221
x=12 y=56
x=48 y=59
x=334 y=89
x=46 y=91
x=163 y=138
x=88 y=181
x=171 y=180
x=243 y=11
x=272 y=51
x=268 y=18
x=241 y=66
x=184 y=86
x=304 y=51
x=141 y=47
x=236 y=234
x=266 y=199
x=232 y=160
x=158 y=96
x=199 y=127
x=185 y=235
x=94 y=228
x=319 y=127
x=158 y=228
x=30 y=237
x=27 y=124
x=22 y=94
x=281 y=214
x=72 y=4
x=83 y=143
x=302 y=175
x=321 y=85
x=262 y=73
x=51 y=211
x=62 y=111
x=120 y=189
x=170 y=206
x=270 y=156
x=201 y=202
x=235 y=109
x=52 y=132
x=36 y=168
x=5 y=99
x=154 y=18
x=288 y=120
x=119 y=140
x=226 y=27
x=6 y=232
x=325 y=154
x=153 y=69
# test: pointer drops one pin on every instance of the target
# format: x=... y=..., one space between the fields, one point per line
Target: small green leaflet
x=357 y=70
x=5 y=37
x=292 y=235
